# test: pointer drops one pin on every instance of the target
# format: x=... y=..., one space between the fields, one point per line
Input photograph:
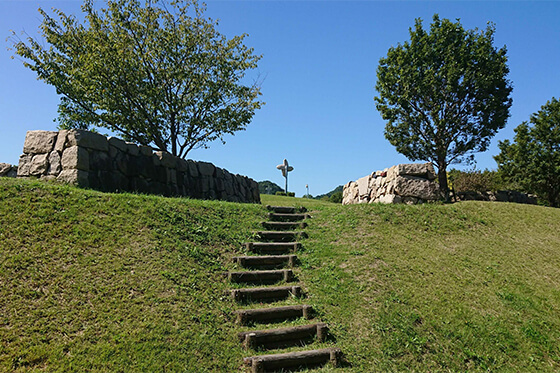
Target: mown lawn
x=92 y=281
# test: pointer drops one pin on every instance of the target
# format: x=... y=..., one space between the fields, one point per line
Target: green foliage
x=268 y=187
x=336 y=197
x=158 y=74
x=339 y=188
x=444 y=93
x=280 y=193
x=533 y=159
x=477 y=181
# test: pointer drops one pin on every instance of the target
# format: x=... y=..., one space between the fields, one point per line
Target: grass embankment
x=116 y=282
x=473 y=286
x=121 y=282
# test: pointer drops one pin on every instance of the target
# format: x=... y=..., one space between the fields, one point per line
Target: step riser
x=294 y=360
x=271 y=248
x=274 y=314
x=256 y=277
x=283 y=226
x=266 y=262
x=296 y=336
x=281 y=236
x=287 y=217
x=266 y=294
x=286 y=210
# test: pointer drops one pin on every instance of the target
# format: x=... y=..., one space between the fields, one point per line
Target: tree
x=444 y=93
x=533 y=159
x=154 y=73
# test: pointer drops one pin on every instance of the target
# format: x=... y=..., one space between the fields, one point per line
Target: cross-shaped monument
x=285 y=168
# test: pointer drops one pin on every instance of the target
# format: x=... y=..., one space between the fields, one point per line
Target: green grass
x=92 y=281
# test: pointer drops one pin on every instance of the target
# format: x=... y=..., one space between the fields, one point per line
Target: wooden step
x=266 y=261
x=261 y=277
x=280 y=236
x=294 y=360
x=265 y=315
x=287 y=217
x=272 y=248
x=267 y=294
x=283 y=337
x=283 y=225
x=286 y=209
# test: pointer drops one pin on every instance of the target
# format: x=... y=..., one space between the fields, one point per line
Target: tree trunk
x=442 y=179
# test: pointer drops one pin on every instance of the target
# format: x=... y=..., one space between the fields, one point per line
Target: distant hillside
x=337 y=189
x=268 y=187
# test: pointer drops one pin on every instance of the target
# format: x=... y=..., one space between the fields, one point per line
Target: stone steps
x=268 y=315
x=280 y=236
x=266 y=294
x=266 y=261
x=294 y=360
x=261 y=277
x=272 y=248
x=278 y=242
x=283 y=225
x=283 y=337
x=287 y=217
x=286 y=209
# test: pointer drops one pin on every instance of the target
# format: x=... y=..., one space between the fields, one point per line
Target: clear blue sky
x=319 y=61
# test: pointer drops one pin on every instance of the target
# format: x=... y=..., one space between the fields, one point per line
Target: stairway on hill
x=271 y=263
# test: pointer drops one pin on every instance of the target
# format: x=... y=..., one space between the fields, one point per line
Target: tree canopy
x=157 y=73
x=444 y=93
x=532 y=161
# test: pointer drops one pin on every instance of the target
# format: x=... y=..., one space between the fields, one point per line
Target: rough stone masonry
x=403 y=183
x=91 y=160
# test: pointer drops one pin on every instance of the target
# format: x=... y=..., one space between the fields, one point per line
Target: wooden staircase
x=272 y=264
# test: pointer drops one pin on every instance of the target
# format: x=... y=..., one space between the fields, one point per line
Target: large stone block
x=132 y=149
x=423 y=170
x=389 y=198
x=39 y=165
x=117 y=143
x=61 y=141
x=206 y=169
x=412 y=186
x=75 y=157
x=75 y=177
x=166 y=159
x=5 y=168
x=363 y=185
x=24 y=164
x=99 y=161
x=39 y=142
x=55 y=165
x=87 y=139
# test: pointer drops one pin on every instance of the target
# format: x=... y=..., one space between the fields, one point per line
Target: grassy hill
x=121 y=282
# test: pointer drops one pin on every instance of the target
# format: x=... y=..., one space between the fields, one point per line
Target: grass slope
x=120 y=282
x=115 y=282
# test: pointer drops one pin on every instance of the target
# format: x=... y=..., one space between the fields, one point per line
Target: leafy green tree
x=444 y=93
x=158 y=74
x=533 y=159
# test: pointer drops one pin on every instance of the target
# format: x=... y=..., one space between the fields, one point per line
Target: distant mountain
x=329 y=194
x=268 y=187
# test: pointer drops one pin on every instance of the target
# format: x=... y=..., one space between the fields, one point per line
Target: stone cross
x=285 y=168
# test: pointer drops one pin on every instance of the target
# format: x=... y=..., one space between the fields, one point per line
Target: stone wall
x=499 y=196
x=403 y=183
x=7 y=170
x=91 y=160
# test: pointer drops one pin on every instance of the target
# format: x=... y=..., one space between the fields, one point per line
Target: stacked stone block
x=91 y=160
x=7 y=170
x=403 y=183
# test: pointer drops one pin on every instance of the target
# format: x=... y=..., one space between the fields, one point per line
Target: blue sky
x=319 y=62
